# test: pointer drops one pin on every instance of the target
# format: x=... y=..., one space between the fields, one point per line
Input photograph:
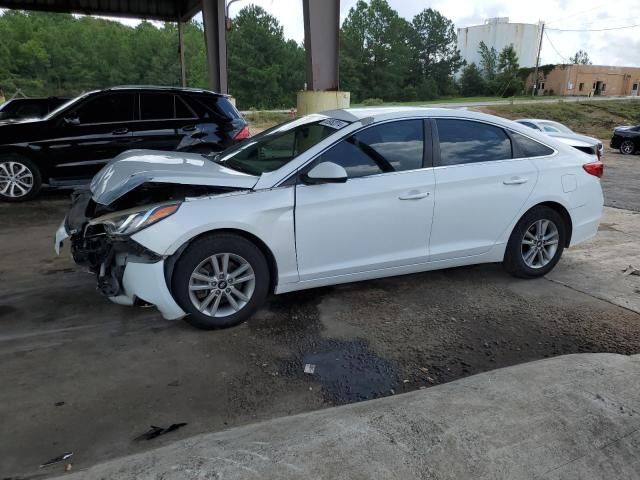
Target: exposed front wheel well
x=264 y=249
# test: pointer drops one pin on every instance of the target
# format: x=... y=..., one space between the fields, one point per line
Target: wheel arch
x=171 y=261
x=27 y=153
x=562 y=211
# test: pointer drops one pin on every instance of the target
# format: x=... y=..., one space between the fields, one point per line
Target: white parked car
x=566 y=135
x=330 y=198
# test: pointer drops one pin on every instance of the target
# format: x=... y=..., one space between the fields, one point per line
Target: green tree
x=508 y=78
x=581 y=57
x=488 y=66
x=264 y=69
x=375 y=52
x=435 y=52
x=471 y=81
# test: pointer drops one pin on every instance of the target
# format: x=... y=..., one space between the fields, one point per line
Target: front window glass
x=463 y=141
x=390 y=147
x=109 y=108
x=276 y=147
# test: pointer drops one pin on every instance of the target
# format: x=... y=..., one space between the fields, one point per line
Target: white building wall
x=499 y=33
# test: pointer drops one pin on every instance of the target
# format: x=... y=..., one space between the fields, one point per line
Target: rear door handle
x=415 y=196
x=120 y=131
x=516 y=181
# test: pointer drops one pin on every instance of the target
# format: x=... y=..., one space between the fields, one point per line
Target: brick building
x=588 y=80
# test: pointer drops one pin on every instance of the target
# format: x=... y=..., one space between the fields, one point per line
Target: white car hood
x=135 y=167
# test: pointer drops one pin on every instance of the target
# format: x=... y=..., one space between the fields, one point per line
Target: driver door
x=381 y=216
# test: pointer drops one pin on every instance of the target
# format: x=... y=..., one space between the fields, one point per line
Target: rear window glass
x=464 y=141
x=526 y=147
x=156 y=106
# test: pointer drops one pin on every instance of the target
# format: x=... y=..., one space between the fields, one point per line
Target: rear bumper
x=145 y=282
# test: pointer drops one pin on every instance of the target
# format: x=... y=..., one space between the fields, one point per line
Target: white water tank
x=499 y=33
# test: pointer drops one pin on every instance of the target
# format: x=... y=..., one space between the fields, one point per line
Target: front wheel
x=20 y=179
x=536 y=243
x=220 y=281
x=627 y=147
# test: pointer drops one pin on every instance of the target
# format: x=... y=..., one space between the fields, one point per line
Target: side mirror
x=71 y=120
x=325 y=172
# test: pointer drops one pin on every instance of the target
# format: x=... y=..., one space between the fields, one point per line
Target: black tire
x=514 y=261
x=627 y=147
x=198 y=252
x=36 y=185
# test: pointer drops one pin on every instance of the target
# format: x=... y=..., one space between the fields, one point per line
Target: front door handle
x=120 y=131
x=415 y=195
x=516 y=181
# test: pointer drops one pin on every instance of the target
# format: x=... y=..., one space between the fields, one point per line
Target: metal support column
x=183 y=68
x=321 y=42
x=213 y=16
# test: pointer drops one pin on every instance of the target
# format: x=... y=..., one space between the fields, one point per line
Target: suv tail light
x=242 y=134
x=594 y=168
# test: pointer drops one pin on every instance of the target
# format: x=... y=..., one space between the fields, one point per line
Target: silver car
x=564 y=133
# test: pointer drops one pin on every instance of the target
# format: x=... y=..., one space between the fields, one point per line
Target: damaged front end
x=100 y=235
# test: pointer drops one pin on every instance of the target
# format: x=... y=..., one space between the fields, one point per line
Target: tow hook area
x=110 y=276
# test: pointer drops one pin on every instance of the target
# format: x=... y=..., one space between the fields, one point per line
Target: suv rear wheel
x=220 y=281
x=20 y=179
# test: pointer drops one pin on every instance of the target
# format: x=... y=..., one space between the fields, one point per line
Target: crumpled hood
x=135 y=167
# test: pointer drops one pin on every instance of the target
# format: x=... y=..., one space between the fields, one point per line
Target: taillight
x=242 y=134
x=594 y=168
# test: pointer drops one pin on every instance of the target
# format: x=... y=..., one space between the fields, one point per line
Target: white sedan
x=330 y=198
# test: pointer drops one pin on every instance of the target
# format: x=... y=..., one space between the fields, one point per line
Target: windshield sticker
x=334 y=123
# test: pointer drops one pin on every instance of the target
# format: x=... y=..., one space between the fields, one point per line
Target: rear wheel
x=220 y=281
x=20 y=178
x=627 y=147
x=536 y=243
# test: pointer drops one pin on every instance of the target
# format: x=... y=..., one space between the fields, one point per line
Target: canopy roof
x=166 y=10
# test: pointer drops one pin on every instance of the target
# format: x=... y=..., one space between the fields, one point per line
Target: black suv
x=18 y=108
x=68 y=146
x=627 y=139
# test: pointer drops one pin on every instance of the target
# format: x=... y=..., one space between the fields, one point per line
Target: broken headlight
x=128 y=222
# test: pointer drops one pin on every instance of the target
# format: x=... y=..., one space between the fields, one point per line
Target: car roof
x=377 y=114
x=163 y=87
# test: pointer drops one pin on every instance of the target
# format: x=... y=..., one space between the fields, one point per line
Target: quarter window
x=390 y=147
x=525 y=147
x=463 y=141
x=109 y=108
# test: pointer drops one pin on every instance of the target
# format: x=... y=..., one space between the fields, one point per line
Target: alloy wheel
x=540 y=243
x=16 y=179
x=627 y=147
x=222 y=285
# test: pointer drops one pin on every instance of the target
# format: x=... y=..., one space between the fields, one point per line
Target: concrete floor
x=83 y=375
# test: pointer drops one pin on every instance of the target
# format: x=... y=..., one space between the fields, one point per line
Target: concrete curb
x=576 y=416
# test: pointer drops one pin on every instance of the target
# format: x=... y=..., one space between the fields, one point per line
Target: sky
x=618 y=47
x=614 y=47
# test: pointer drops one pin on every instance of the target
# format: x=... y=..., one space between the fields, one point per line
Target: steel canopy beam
x=165 y=10
x=321 y=42
x=213 y=17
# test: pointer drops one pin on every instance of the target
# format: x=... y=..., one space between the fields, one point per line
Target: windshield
x=270 y=150
x=65 y=105
x=555 y=127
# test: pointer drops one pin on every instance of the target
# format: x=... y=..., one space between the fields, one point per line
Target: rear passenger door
x=164 y=119
x=482 y=182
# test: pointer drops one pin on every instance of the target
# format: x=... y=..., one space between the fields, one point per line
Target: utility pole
x=535 y=74
x=183 y=68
